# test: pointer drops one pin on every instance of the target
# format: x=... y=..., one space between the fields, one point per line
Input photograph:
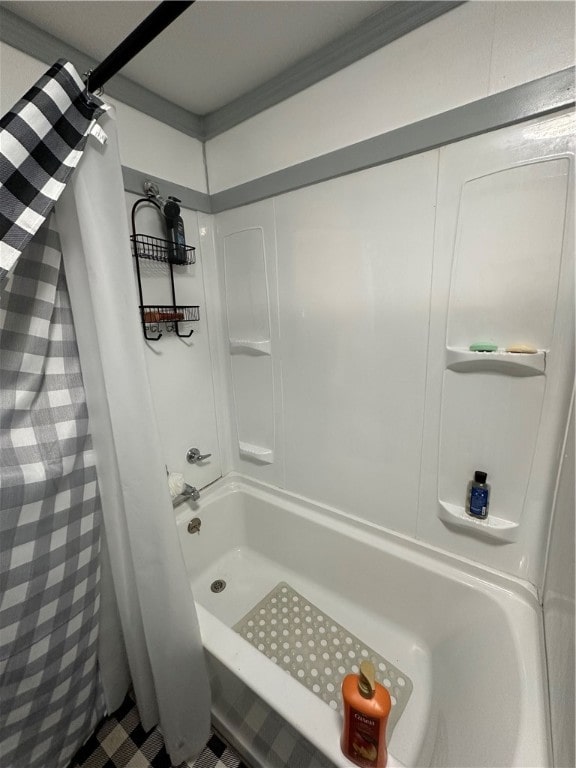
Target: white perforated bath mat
x=316 y=650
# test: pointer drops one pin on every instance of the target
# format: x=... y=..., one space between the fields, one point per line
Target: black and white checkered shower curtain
x=50 y=692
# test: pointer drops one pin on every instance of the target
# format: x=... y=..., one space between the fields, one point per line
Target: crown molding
x=394 y=20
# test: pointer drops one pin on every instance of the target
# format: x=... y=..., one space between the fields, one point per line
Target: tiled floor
x=121 y=742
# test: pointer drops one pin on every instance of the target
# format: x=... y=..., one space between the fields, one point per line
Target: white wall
x=477 y=49
x=354 y=280
x=372 y=278
x=350 y=420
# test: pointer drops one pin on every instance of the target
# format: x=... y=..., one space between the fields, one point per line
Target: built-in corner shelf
x=256 y=452
x=495 y=528
x=251 y=346
x=511 y=363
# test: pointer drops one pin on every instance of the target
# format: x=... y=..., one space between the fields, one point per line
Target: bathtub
x=469 y=638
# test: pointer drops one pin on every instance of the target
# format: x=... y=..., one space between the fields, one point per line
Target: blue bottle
x=478 y=496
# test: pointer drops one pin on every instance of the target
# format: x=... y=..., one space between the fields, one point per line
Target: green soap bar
x=483 y=346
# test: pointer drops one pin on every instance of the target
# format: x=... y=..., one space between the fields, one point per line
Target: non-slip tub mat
x=316 y=650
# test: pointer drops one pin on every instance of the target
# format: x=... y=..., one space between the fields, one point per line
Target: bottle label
x=363 y=738
x=180 y=237
x=177 y=245
x=479 y=502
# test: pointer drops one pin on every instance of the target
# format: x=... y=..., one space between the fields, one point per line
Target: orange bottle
x=366 y=708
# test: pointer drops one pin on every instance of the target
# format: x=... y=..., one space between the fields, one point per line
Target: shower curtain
x=50 y=692
x=154 y=602
x=50 y=518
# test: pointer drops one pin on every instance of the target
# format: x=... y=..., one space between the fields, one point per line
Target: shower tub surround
x=470 y=639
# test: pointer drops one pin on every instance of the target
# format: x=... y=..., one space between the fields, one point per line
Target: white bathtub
x=470 y=639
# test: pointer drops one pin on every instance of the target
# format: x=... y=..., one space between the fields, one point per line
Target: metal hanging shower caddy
x=158 y=317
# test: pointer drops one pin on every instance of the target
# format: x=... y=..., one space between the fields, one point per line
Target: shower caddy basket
x=169 y=317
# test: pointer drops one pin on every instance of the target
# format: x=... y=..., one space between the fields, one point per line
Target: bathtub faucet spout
x=189 y=492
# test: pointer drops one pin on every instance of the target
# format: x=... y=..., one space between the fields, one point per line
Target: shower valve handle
x=193 y=456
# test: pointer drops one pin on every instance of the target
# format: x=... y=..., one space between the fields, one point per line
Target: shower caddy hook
x=167 y=252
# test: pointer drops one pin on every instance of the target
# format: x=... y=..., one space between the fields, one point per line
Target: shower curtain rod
x=155 y=23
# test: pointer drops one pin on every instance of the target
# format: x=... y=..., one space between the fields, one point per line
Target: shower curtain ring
x=98 y=92
x=86 y=76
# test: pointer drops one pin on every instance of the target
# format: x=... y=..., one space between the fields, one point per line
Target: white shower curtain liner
x=156 y=606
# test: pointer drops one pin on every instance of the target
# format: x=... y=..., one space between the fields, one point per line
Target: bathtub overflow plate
x=218 y=586
x=194 y=525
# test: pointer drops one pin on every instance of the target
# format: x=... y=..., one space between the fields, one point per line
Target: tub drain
x=218 y=585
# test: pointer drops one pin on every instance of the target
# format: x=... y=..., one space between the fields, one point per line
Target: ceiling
x=215 y=52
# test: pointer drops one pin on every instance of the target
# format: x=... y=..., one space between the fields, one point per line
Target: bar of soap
x=522 y=349
x=483 y=346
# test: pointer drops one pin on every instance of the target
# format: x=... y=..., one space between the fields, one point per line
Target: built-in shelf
x=496 y=528
x=248 y=345
x=257 y=452
x=511 y=363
